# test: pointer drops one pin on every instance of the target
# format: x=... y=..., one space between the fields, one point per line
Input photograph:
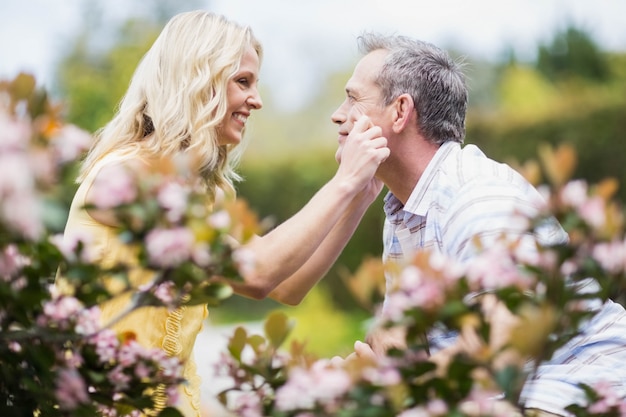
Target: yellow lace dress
x=173 y=331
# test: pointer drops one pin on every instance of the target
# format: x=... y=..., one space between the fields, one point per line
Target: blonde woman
x=192 y=94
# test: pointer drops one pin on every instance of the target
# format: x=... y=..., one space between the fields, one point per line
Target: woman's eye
x=243 y=81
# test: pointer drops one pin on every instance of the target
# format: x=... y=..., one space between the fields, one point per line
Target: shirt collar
x=419 y=200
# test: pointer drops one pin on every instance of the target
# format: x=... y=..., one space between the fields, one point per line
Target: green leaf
x=237 y=343
x=212 y=294
x=256 y=342
x=277 y=328
x=170 y=412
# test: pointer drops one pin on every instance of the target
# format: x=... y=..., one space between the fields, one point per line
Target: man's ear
x=403 y=112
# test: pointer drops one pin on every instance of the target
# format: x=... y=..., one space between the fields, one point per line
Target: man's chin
x=338 y=156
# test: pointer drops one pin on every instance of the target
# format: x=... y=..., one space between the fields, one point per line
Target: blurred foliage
x=573 y=93
x=573 y=53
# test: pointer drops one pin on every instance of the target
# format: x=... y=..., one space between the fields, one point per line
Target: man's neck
x=404 y=168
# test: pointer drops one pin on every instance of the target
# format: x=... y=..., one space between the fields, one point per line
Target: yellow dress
x=173 y=331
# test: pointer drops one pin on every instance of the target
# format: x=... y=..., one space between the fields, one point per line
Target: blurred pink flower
x=248 y=404
x=173 y=197
x=70 y=390
x=611 y=256
x=574 y=193
x=15 y=134
x=416 y=289
x=22 y=212
x=495 y=268
x=118 y=378
x=245 y=261
x=70 y=142
x=106 y=343
x=609 y=399
x=593 y=212
x=220 y=219
x=88 y=321
x=415 y=412
x=115 y=188
x=306 y=387
x=170 y=247
x=11 y=262
x=15 y=174
x=165 y=292
x=60 y=311
x=68 y=244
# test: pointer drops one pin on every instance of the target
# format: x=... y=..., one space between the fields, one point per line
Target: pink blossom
x=15 y=174
x=170 y=247
x=415 y=412
x=74 y=360
x=142 y=371
x=22 y=212
x=11 y=262
x=71 y=390
x=382 y=375
x=70 y=142
x=437 y=407
x=15 y=134
x=201 y=254
x=88 y=321
x=129 y=353
x=611 y=256
x=448 y=268
x=593 y=212
x=574 y=193
x=43 y=166
x=115 y=188
x=118 y=378
x=170 y=366
x=173 y=197
x=60 y=311
x=220 y=220
x=306 y=387
x=165 y=292
x=245 y=260
x=494 y=268
x=248 y=404
x=416 y=288
x=68 y=244
x=172 y=394
x=106 y=343
x=609 y=398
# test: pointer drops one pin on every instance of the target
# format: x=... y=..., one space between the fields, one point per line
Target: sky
x=305 y=38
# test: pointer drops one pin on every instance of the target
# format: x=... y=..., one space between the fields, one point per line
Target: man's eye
x=351 y=98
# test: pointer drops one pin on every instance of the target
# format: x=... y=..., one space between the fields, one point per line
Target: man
x=445 y=197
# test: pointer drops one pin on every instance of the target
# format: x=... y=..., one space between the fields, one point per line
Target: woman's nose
x=255 y=101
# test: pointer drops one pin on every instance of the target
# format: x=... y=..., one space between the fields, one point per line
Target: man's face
x=363 y=97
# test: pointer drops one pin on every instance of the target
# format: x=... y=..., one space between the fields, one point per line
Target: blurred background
x=539 y=72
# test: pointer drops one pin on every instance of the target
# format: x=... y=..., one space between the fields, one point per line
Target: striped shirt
x=463 y=196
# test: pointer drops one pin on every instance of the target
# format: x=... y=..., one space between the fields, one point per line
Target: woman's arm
x=310 y=241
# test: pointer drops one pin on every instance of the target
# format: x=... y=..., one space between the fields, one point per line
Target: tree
x=573 y=53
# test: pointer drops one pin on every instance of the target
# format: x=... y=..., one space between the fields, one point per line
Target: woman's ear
x=404 y=110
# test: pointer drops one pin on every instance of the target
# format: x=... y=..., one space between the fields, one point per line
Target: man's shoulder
x=472 y=166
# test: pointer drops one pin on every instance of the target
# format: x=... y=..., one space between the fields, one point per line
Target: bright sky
x=304 y=38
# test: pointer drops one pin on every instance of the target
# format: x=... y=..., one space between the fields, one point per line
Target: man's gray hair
x=430 y=76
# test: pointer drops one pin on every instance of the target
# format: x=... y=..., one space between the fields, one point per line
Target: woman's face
x=243 y=97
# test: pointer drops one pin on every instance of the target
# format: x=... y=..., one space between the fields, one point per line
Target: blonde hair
x=177 y=98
